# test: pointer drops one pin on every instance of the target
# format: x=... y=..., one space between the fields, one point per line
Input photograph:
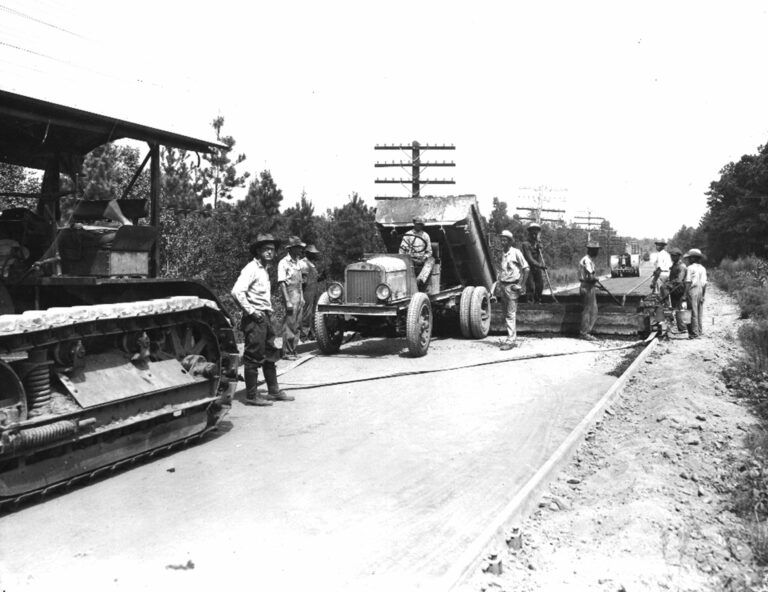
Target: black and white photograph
x=410 y=296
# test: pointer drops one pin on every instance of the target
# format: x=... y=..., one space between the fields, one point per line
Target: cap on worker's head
x=418 y=220
x=312 y=249
x=675 y=251
x=294 y=241
x=534 y=226
x=695 y=253
x=593 y=245
x=508 y=234
x=661 y=241
x=262 y=239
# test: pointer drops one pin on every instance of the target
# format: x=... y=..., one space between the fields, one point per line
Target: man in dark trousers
x=674 y=287
x=588 y=291
x=253 y=292
x=532 y=253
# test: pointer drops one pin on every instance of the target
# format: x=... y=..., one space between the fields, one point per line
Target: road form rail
x=526 y=499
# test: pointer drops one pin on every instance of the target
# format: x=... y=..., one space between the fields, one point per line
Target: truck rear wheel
x=418 y=325
x=465 y=305
x=480 y=313
x=329 y=329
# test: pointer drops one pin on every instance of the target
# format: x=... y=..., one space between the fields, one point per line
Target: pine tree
x=301 y=220
x=220 y=177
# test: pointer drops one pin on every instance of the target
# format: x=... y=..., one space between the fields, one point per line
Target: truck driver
x=418 y=245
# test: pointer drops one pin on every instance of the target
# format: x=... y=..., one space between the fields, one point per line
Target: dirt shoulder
x=647 y=501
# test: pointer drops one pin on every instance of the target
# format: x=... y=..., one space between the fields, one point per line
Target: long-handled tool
x=546 y=275
x=604 y=289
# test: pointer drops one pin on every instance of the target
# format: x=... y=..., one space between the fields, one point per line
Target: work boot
x=274 y=394
x=252 y=396
x=507 y=345
x=256 y=400
x=588 y=337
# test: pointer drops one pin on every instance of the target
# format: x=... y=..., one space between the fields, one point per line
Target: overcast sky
x=625 y=110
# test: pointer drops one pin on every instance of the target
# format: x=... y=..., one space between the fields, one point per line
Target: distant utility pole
x=592 y=222
x=534 y=212
x=416 y=167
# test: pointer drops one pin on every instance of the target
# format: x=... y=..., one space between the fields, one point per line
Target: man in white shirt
x=663 y=265
x=695 y=290
x=588 y=291
x=289 y=278
x=511 y=284
x=253 y=292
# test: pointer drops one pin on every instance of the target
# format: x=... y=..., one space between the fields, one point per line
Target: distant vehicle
x=380 y=292
x=625 y=265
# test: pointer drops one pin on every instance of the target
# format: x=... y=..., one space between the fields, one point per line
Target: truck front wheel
x=418 y=325
x=329 y=328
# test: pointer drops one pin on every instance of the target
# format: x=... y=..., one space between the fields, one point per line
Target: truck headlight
x=335 y=291
x=383 y=292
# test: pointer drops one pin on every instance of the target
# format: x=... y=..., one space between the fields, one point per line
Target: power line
x=40 y=21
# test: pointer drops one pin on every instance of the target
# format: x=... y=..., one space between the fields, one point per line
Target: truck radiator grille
x=361 y=286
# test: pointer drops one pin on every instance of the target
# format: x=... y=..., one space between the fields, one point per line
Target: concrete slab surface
x=379 y=484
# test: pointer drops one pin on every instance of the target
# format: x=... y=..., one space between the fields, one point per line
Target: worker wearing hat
x=252 y=291
x=311 y=292
x=417 y=243
x=663 y=265
x=588 y=291
x=695 y=290
x=531 y=249
x=511 y=285
x=289 y=278
x=673 y=290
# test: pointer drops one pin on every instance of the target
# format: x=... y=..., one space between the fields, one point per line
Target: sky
x=616 y=110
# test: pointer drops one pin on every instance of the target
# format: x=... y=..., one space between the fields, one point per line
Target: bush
x=753 y=302
x=754 y=339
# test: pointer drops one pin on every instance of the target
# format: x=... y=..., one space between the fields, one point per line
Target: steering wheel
x=424 y=244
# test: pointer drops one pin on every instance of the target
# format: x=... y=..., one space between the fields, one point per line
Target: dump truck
x=380 y=292
x=101 y=361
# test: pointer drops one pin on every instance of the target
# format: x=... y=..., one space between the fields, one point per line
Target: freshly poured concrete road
x=381 y=484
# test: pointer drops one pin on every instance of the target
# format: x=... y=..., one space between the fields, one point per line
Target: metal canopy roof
x=33 y=130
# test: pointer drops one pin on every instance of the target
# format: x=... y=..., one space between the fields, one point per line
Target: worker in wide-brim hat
x=588 y=291
x=511 y=285
x=418 y=244
x=311 y=293
x=531 y=249
x=253 y=292
x=695 y=291
x=289 y=278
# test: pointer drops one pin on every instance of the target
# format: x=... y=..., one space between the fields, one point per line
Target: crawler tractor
x=101 y=362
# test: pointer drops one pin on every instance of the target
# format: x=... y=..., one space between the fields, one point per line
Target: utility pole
x=591 y=223
x=534 y=213
x=416 y=167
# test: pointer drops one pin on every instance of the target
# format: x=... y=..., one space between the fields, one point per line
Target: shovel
x=604 y=289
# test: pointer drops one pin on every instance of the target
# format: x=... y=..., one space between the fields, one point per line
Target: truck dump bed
x=453 y=223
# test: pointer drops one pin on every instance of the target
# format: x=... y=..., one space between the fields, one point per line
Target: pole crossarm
x=410 y=146
x=421 y=181
x=407 y=164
